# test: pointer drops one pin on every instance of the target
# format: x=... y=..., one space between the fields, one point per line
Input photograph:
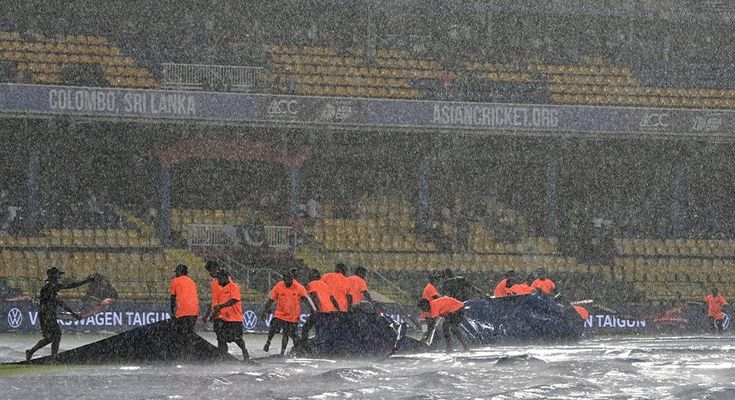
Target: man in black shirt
x=49 y=301
x=457 y=286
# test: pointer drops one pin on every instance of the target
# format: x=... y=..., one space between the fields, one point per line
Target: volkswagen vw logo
x=15 y=318
x=249 y=319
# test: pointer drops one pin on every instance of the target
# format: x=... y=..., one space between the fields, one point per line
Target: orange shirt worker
x=715 y=302
x=503 y=288
x=430 y=293
x=184 y=300
x=287 y=294
x=226 y=313
x=543 y=283
x=323 y=301
x=338 y=286
x=320 y=294
x=357 y=286
x=452 y=310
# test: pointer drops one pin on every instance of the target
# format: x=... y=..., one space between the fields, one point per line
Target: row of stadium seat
x=46 y=47
x=641 y=91
x=360 y=91
x=559 y=80
x=180 y=218
x=578 y=70
x=390 y=261
x=482 y=243
x=83 y=238
x=51 y=58
x=383 y=206
x=348 y=81
x=325 y=74
x=559 y=74
x=648 y=101
x=592 y=80
x=357 y=71
x=135 y=275
x=674 y=278
x=132 y=82
x=123 y=76
x=676 y=247
x=665 y=269
x=309 y=50
x=317 y=68
x=385 y=224
x=676 y=293
x=373 y=240
x=329 y=51
x=355 y=61
x=44 y=58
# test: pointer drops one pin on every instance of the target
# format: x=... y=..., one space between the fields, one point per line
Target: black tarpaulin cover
x=150 y=343
x=532 y=318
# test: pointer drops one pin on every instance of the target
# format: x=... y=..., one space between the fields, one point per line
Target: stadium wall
x=22 y=317
x=40 y=100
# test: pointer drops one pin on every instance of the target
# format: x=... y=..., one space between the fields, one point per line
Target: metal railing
x=200 y=235
x=260 y=279
x=199 y=76
x=279 y=237
x=203 y=235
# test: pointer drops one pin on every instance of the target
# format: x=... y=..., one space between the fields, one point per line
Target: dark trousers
x=288 y=329
x=451 y=328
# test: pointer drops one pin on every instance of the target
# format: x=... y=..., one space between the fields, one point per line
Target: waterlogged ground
x=630 y=368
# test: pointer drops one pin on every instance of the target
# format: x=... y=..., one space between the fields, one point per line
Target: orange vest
x=501 y=290
x=545 y=285
x=187 y=300
x=214 y=287
x=714 y=305
x=226 y=293
x=357 y=286
x=429 y=294
x=583 y=313
x=288 y=301
x=444 y=306
x=338 y=287
x=520 y=289
x=322 y=294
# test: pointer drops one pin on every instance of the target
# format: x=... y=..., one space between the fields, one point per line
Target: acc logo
x=654 y=120
x=15 y=318
x=329 y=112
x=337 y=113
x=711 y=123
x=283 y=107
x=249 y=319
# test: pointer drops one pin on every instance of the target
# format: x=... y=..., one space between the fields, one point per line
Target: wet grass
x=7 y=370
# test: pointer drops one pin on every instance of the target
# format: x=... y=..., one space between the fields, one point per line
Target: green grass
x=7 y=370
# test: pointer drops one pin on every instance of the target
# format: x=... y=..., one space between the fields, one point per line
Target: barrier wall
x=22 y=317
x=378 y=113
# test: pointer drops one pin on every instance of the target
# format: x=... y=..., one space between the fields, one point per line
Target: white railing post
x=201 y=235
x=190 y=76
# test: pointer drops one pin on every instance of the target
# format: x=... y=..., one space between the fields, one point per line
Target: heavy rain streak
x=387 y=199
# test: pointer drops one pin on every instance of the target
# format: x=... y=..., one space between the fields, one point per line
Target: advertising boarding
x=374 y=113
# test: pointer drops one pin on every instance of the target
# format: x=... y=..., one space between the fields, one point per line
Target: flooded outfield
x=600 y=368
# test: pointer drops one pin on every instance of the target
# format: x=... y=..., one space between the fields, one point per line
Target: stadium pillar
x=34 y=168
x=551 y=198
x=423 y=206
x=294 y=184
x=164 y=214
x=679 y=206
